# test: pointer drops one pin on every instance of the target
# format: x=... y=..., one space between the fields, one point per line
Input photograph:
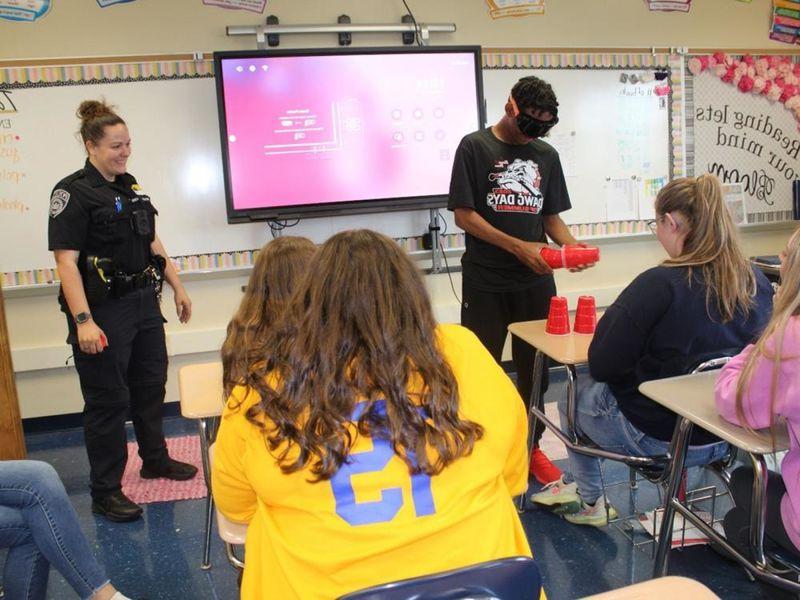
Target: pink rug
x=185 y=449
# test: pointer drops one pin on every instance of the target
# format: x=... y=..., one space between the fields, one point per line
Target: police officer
x=111 y=265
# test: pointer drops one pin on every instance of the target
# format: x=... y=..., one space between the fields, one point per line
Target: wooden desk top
x=692 y=397
x=663 y=587
x=570 y=349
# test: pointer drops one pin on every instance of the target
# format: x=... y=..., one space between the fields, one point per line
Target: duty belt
x=124 y=284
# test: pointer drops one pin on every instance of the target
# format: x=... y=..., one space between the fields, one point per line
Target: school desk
x=691 y=398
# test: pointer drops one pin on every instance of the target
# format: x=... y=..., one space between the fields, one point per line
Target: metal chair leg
x=207 y=431
x=232 y=558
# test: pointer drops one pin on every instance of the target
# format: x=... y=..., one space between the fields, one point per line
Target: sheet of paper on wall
x=621 y=199
x=499 y=9
x=669 y=5
x=256 y=6
x=648 y=191
x=733 y=194
x=564 y=142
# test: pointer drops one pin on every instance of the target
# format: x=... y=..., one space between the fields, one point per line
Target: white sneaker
x=593 y=515
x=562 y=498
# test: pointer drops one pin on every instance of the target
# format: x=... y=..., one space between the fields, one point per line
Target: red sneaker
x=542 y=469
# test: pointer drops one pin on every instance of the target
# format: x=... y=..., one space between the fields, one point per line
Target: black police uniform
x=115 y=220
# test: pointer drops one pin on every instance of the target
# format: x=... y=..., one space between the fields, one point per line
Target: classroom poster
x=256 y=6
x=23 y=10
x=106 y=3
x=745 y=138
x=499 y=9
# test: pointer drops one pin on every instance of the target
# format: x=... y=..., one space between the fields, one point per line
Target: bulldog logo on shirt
x=517 y=187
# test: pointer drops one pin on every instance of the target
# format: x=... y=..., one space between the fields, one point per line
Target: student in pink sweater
x=754 y=390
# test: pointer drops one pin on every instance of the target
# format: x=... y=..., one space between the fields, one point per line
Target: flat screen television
x=334 y=131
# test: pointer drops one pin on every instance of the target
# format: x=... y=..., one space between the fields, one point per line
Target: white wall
x=72 y=29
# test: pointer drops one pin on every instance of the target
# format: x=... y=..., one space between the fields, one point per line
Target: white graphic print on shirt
x=518 y=187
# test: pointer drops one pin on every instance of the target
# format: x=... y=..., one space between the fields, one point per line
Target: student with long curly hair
x=278 y=268
x=754 y=390
x=364 y=449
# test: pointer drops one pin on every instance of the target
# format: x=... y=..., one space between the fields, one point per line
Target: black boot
x=171 y=469
x=116 y=507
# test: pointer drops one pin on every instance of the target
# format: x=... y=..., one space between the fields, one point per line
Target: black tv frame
x=374 y=205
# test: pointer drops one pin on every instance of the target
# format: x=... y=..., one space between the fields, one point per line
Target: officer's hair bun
x=93 y=109
x=95 y=116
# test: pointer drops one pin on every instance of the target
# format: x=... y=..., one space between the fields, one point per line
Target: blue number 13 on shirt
x=372 y=461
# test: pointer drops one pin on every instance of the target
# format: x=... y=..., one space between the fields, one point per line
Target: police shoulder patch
x=58 y=202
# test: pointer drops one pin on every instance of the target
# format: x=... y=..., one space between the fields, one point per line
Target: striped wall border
x=533 y=60
x=36 y=76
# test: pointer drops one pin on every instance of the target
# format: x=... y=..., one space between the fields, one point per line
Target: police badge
x=58 y=202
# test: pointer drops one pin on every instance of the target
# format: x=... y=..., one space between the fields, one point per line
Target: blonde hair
x=786 y=306
x=711 y=244
x=279 y=266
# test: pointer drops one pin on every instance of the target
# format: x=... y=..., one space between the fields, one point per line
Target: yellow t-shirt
x=373 y=522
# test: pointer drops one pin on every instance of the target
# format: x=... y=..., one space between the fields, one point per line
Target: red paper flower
x=746 y=83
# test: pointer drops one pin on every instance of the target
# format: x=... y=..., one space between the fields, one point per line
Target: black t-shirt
x=660 y=326
x=99 y=217
x=511 y=186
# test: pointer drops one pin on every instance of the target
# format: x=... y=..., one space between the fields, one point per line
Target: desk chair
x=515 y=578
x=231 y=532
x=651 y=468
x=691 y=397
x=201 y=396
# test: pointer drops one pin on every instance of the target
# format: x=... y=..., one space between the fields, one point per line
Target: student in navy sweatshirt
x=704 y=299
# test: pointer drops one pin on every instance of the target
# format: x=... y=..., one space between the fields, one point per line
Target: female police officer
x=111 y=264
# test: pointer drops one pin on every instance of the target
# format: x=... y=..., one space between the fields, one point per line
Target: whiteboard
x=176 y=159
x=613 y=138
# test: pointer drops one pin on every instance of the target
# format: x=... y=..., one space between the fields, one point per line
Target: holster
x=98 y=279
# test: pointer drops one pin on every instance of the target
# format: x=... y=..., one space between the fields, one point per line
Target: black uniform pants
x=128 y=376
x=737 y=521
x=488 y=315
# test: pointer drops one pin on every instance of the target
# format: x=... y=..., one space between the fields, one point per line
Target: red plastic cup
x=585 y=315
x=570 y=256
x=557 y=317
x=580 y=255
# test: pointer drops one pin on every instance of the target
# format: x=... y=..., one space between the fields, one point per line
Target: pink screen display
x=322 y=129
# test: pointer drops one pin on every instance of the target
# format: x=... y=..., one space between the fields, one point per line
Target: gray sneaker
x=559 y=497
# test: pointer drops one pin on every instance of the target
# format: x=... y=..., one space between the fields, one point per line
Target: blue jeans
x=598 y=417
x=40 y=527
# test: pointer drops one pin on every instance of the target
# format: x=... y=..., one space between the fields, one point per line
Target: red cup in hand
x=558 y=317
x=586 y=315
x=570 y=256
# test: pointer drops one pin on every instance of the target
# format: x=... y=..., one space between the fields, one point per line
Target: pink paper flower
x=746 y=83
x=729 y=75
x=758 y=85
x=788 y=92
x=774 y=93
x=761 y=67
x=695 y=66
x=767 y=87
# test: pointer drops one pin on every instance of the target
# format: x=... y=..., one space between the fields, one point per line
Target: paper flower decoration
x=775 y=77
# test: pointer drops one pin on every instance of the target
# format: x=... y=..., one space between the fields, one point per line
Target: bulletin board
x=743 y=138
